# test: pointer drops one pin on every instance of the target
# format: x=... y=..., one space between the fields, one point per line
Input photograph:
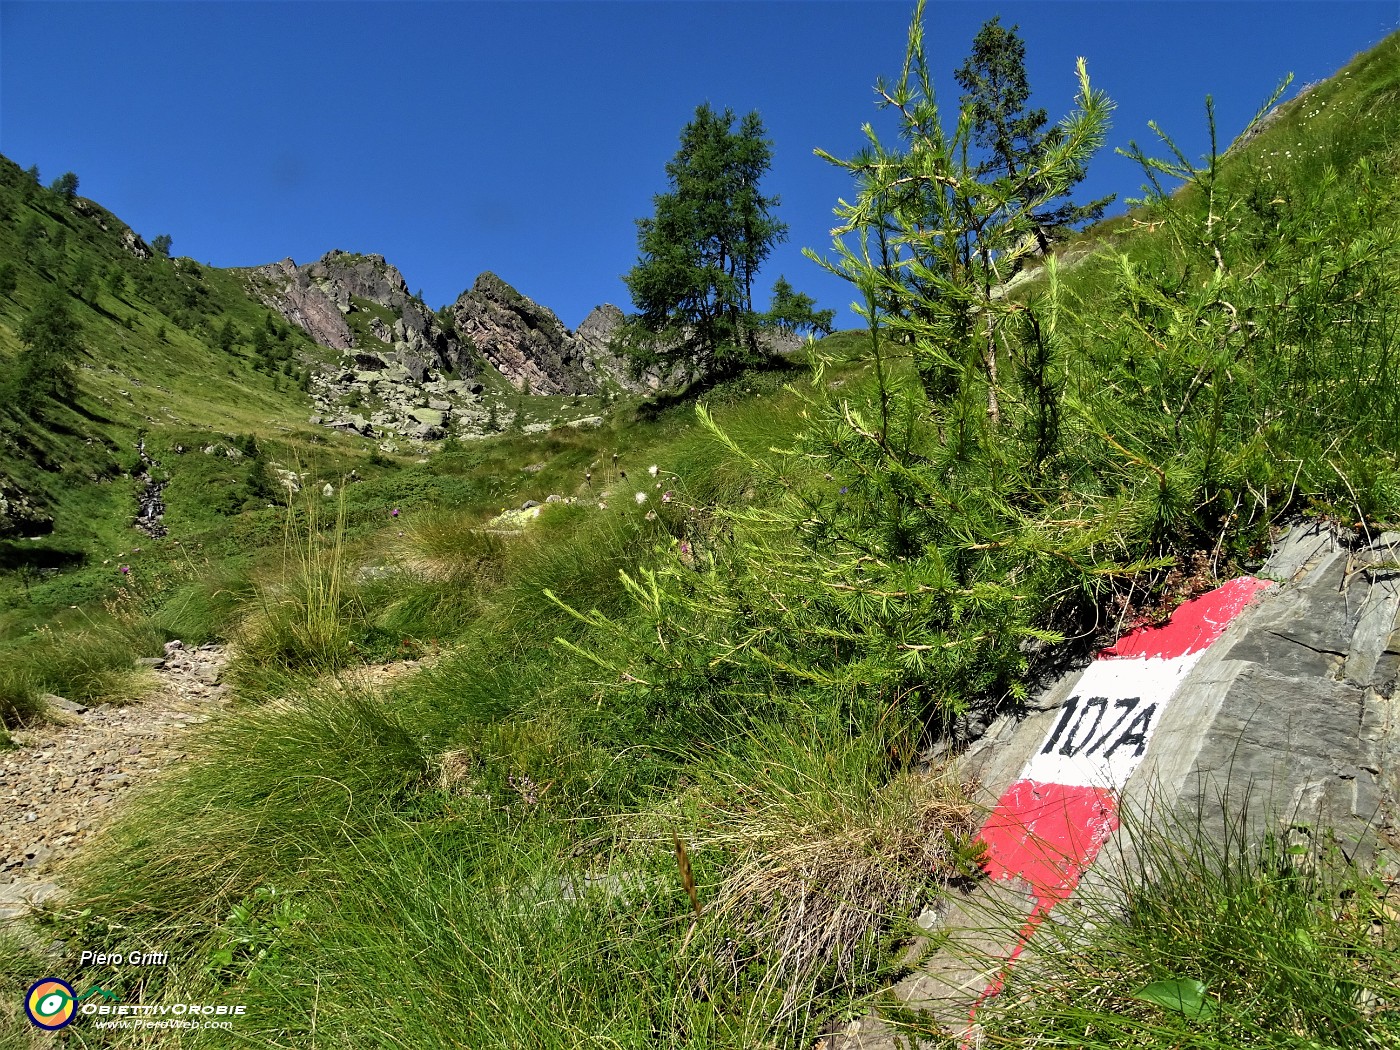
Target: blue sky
x=526 y=138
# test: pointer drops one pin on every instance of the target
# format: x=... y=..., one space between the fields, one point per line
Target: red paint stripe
x=1047 y=834
x=1193 y=626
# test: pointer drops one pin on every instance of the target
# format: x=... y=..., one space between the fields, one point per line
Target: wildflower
x=685 y=547
x=641 y=498
x=602 y=504
x=844 y=489
x=125 y=570
x=666 y=497
x=394 y=513
x=651 y=515
x=653 y=469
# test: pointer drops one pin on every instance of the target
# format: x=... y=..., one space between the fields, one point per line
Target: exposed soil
x=66 y=779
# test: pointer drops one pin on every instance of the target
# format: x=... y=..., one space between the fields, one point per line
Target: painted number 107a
x=1077 y=731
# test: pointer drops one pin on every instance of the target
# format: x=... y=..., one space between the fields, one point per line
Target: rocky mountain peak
x=524 y=341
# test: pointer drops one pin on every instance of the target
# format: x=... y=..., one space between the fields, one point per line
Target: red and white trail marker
x=1048 y=826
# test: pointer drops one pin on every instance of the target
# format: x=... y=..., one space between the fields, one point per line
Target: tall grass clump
x=19 y=700
x=307 y=618
x=312 y=773
x=1214 y=941
x=829 y=848
x=89 y=662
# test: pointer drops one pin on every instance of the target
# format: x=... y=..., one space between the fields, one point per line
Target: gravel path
x=66 y=780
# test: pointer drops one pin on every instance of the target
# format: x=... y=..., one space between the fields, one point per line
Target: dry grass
x=815 y=901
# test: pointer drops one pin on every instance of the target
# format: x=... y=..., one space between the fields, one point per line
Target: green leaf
x=1186 y=996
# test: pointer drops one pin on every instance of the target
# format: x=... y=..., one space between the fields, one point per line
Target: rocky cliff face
x=408 y=371
x=593 y=338
x=346 y=301
x=403 y=372
x=293 y=294
x=525 y=342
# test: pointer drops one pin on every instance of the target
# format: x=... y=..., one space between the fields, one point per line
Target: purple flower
x=125 y=570
x=843 y=490
x=394 y=513
x=685 y=547
x=666 y=497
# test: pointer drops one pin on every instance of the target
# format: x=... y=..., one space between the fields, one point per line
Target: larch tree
x=701 y=251
x=1016 y=140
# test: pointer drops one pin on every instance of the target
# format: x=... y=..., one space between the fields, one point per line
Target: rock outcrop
x=400 y=361
x=594 y=340
x=19 y=514
x=527 y=342
x=524 y=341
x=408 y=371
x=346 y=301
x=296 y=297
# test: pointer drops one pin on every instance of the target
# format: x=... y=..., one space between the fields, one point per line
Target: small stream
x=150 y=508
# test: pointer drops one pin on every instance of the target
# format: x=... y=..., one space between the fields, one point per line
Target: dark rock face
x=19 y=515
x=526 y=342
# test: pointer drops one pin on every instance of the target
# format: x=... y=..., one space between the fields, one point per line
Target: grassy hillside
x=672 y=777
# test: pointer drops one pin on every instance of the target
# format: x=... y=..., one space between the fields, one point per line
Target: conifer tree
x=701 y=251
x=66 y=185
x=995 y=93
x=44 y=367
x=791 y=311
x=935 y=233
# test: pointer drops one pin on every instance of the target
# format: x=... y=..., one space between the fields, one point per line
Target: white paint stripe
x=1102 y=731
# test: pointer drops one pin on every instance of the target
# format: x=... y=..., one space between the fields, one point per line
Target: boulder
x=416 y=367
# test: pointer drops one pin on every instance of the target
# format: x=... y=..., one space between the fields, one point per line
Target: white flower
x=653 y=469
x=641 y=498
